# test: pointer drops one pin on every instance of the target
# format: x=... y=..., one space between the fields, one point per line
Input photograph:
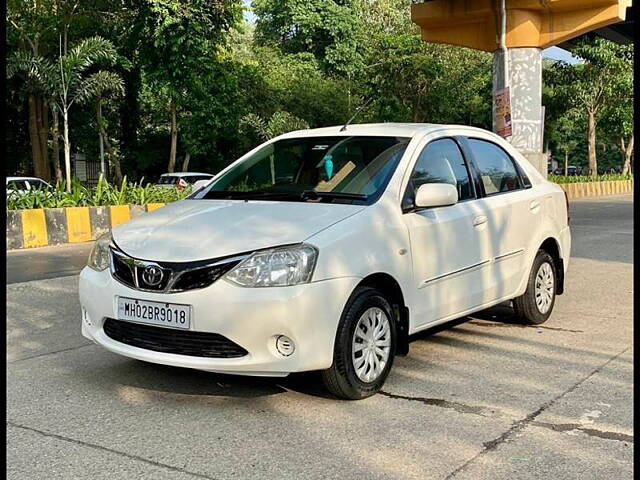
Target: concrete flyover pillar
x=525 y=27
x=525 y=85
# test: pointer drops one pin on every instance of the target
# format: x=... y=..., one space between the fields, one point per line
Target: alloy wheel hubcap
x=544 y=288
x=371 y=344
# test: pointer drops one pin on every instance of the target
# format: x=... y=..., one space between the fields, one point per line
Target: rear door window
x=16 y=185
x=37 y=185
x=497 y=170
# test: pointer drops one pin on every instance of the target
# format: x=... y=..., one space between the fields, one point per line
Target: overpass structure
x=517 y=31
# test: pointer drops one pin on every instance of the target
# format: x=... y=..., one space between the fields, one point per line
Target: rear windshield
x=16 y=185
x=168 y=180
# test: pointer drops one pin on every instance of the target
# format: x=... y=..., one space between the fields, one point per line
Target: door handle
x=534 y=205
x=480 y=220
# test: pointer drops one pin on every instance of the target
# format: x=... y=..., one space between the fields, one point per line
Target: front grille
x=201 y=277
x=170 y=340
x=173 y=277
x=122 y=271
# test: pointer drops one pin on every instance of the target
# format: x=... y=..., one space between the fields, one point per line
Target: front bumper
x=251 y=317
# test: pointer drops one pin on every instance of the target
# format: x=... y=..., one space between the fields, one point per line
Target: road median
x=41 y=227
x=597 y=189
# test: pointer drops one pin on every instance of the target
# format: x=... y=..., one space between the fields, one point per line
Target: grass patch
x=586 y=178
x=102 y=194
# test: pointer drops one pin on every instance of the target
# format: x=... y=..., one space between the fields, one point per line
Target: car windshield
x=168 y=180
x=347 y=169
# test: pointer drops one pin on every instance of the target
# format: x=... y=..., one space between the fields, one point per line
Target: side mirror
x=436 y=195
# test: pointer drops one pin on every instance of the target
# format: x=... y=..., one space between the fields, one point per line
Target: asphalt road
x=47 y=262
x=483 y=399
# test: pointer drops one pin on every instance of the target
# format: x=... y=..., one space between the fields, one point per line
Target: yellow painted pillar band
x=34 y=228
x=154 y=206
x=78 y=224
x=119 y=214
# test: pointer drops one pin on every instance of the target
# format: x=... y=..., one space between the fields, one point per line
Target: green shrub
x=103 y=194
x=586 y=178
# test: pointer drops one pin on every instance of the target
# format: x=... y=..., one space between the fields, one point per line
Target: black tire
x=525 y=305
x=341 y=378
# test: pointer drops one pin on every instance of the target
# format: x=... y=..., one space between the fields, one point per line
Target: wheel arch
x=552 y=247
x=388 y=285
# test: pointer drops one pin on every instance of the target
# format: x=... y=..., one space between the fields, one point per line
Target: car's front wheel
x=536 y=305
x=364 y=347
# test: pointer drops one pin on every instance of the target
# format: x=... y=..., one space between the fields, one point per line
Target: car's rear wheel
x=364 y=347
x=536 y=304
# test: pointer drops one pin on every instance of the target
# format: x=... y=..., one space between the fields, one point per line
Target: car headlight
x=277 y=267
x=100 y=256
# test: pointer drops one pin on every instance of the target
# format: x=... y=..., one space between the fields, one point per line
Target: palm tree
x=66 y=80
x=107 y=83
x=32 y=68
x=73 y=85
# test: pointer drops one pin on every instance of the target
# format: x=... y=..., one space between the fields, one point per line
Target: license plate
x=154 y=313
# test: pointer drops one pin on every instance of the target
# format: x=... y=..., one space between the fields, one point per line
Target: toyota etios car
x=325 y=249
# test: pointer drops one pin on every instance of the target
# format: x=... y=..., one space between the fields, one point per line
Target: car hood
x=191 y=230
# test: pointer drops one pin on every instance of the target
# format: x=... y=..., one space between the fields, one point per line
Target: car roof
x=23 y=178
x=379 y=129
x=184 y=174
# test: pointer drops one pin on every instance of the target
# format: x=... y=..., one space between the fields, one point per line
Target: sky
x=248 y=16
x=553 y=52
x=559 y=54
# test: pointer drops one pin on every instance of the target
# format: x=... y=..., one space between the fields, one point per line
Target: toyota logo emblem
x=152 y=275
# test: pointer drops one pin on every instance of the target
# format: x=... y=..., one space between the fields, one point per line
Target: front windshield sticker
x=331 y=184
x=320 y=147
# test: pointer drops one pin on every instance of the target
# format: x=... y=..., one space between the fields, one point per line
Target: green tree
x=110 y=84
x=36 y=30
x=617 y=120
x=593 y=85
x=566 y=135
x=180 y=38
x=278 y=124
x=419 y=82
x=330 y=30
x=68 y=80
x=31 y=24
x=74 y=84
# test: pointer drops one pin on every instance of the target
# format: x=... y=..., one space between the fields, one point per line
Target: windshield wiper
x=314 y=194
x=236 y=195
x=301 y=196
x=224 y=194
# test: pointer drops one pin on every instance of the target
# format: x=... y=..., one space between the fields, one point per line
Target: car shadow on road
x=502 y=313
x=174 y=380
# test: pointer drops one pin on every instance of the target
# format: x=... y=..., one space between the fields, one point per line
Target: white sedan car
x=182 y=179
x=23 y=185
x=325 y=249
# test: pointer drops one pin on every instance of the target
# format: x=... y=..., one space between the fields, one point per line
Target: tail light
x=566 y=201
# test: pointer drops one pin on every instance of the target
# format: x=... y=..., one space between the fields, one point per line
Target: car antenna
x=362 y=107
